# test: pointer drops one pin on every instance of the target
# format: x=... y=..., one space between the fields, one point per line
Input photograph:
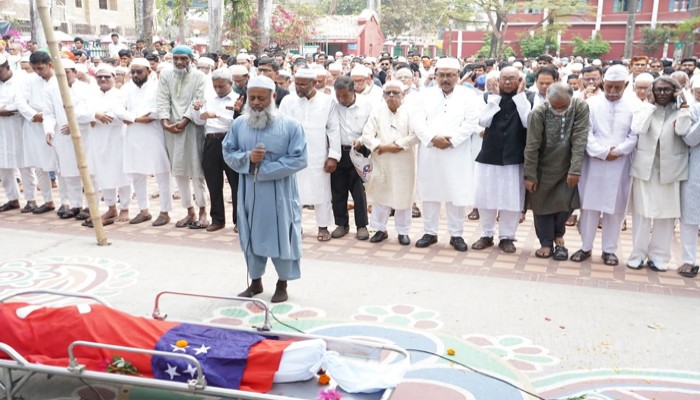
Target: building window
x=113 y=5
x=103 y=4
x=678 y=5
x=78 y=3
x=623 y=6
x=108 y=5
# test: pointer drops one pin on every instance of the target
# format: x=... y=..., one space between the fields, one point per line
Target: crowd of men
x=548 y=135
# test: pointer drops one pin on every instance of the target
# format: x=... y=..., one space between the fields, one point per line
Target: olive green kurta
x=176 y=93
x=554 y=149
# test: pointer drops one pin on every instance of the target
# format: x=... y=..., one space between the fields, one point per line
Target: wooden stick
x=72 y=124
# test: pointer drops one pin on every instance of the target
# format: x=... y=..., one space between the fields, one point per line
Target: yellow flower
x=181 y=343
x=451 y=352
x=324 y=379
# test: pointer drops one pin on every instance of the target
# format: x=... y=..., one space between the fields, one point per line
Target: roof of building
x=341 y=27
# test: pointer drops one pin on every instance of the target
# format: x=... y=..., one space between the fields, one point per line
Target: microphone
x=259 y=146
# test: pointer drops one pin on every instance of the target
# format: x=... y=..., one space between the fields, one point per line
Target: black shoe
x=280 y=292
x=61 y=210
x=379 y=236
x=255 y=287
x=483 y=242
x=70 y=213
x=458 y=243
x=43 y=209
x=404 y=240
x=426 y=240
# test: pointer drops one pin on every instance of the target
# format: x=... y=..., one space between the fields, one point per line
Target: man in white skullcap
x=450 y=117
x=317 y=114
x=605 y=182
x=37 y=153
x=107 y=146
x=58 y=136
x=144 y=143
x=364 y=84
x=206 y=65
x=11 y=139
x=268 y=150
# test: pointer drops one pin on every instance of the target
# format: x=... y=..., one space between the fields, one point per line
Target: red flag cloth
x=43 y=334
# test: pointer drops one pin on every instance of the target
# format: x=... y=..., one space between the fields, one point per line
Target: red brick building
x=350 y=34
x=608 y=17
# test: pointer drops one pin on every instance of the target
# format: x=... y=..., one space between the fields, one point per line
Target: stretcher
x=357 y=369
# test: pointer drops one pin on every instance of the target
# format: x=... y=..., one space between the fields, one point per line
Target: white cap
x=448 y=63
x=306 y=73
x=242 y=56
x=3 y=59
x=141 y=62
x=261 y=81
x=696 y=83
x=360 y=70
x=206 y=61
x=335 y=67
x=104 y=67
x=284 y=72
x=597 y=62
x=66 y=63
x=576 y=67
x=370 y=59
x=396 y=84
x=616 y=73
x=81 y=68
x=401 y=59
x=25 y=58
x=238 y=70
x=121 y=69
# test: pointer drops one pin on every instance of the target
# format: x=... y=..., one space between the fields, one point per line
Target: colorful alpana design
x=614 y=384
x=248 y=314
x=520 y=352
x=400 y=314
x=98 y=276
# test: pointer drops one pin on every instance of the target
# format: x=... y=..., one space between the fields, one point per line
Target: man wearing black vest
x=500 y=190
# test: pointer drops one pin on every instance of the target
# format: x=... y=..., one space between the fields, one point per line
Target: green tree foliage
x=685 y=32
x=533 y=46
x=654 y=38
x=237 y=15
x=342 y=7
x=591 y=48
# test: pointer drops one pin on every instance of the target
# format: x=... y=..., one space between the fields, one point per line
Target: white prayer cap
x=616 y=73
x=511 y=59
x=338 y=54
x=3 y=59
x=576 y=67
x=285 y=73
x=518 y=64
x=238 y=70
x=105 y=67
x=394 y=83
x=261 y=81
x=335 y=67
x=206 y=61
x=25 y=58
x=66 y=63
x=644 y=77
x=141 y=62
x=597 y=62
x=242 y=57
x=305 y=73
x=319 y=70
x=81 y=68
x=370 y=59
x=360 y=70
x=448 y=63
x=404 y=72
x=121 y=69
x=402 y=59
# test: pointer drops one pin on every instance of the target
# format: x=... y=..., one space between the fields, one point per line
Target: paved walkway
x=560 y=329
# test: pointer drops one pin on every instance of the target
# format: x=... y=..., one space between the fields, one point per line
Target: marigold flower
x=451 y=352
x=324 y=379
x=181 y=343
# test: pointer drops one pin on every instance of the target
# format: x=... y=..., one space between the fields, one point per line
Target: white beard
x=260 y=119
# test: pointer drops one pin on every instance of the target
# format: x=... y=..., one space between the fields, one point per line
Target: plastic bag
x=355 y=375
x=363 y=165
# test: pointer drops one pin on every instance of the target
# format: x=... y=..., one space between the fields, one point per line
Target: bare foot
x=109 y=215
x=185 y=221
x=123 y=216
x=203 y=221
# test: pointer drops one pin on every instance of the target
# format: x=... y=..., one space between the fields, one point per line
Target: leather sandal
x=610 y=259
x=561 y=253
x=581 y=256
x=688 y=271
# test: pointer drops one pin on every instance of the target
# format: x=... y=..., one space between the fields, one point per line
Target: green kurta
x=554 y=149
x=176 y=93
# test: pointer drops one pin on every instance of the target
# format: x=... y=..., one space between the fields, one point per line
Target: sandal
x=474 y=215
x=561 y=253
x=610 y=259
x=571 y=221
x=688 y=271
x=185 y=221
x=323 y=235
x=544 y=255
x=198 y=225
x=581 y=255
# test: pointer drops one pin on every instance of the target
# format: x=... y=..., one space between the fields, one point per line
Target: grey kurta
x=555 y=148
x=176 y=93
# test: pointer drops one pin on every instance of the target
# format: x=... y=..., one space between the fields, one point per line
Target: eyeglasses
x=100 y=77
x=446 y=76
x=392 y=92
x=384 y=64
x=508 y=78
x=663 y=91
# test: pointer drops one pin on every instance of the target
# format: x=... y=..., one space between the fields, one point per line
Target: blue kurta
x=269 y=211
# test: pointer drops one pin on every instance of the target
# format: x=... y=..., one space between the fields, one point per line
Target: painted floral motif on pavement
x=520 y=352
x=248 y=314
x=98 y=276
x=400 y=314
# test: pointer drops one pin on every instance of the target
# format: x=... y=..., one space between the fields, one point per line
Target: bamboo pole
x=72 y=123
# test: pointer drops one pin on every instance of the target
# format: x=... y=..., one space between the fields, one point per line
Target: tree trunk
x=264 y=16
x=631 y=21
x=495 y=38
x=183 y=20
x=139 y=17
x=149 y=16
x=216 y=22
x=689 y=50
